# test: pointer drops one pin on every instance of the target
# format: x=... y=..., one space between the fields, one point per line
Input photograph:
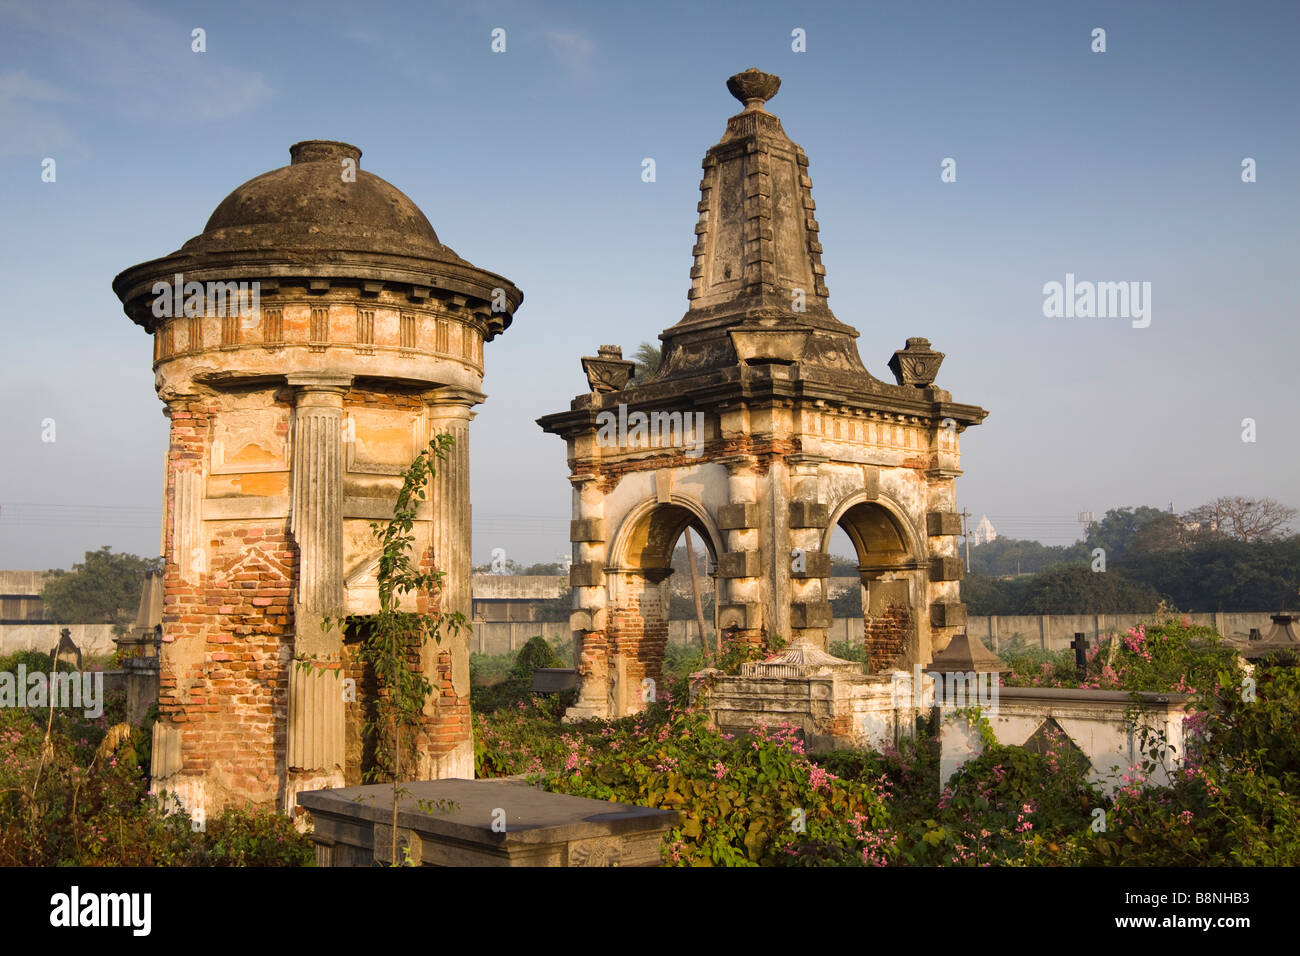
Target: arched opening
x=844 y=591
x=887 y=567
x=649 y=578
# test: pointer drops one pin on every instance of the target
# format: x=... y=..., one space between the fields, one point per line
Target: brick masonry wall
x=446 y=723
x=227 y=638
x=638 y=633
x=886 y=636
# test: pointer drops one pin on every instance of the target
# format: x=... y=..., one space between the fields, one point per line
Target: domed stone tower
x=307 y=346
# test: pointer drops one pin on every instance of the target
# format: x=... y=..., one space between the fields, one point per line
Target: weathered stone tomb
x=307 y=346
x=762 y=431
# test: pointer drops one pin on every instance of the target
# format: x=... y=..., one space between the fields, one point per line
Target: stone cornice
x=458 y=285
x=768 y=384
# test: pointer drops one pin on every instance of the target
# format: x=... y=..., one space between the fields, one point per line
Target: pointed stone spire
x=758 y=285
x=756 y=234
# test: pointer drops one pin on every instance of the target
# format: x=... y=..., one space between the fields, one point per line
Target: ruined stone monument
x=307 y=346
x=761 y=431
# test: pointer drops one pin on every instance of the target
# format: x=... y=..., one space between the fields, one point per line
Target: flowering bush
x=761 y=800
x=1236 y=798
x=743 y=801
x=1169 y=654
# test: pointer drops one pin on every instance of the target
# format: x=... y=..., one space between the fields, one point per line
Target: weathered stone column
x=589 y=620
x=810 y=612
x=450 y=414
x=317 y=505
x=315 y=742
x=740 y=607
x=448 y=751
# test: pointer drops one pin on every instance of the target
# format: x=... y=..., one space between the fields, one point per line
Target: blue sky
x=1115 y=166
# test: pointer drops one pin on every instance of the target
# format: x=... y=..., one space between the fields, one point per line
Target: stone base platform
x=497 y=822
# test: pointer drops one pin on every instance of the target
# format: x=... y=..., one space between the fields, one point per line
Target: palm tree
x=647 y=358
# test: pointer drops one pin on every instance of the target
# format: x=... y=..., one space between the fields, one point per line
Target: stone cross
x=1080 y=645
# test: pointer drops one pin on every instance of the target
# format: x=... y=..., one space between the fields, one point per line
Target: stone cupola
x=307 y=345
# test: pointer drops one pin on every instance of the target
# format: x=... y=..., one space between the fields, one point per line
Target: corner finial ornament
x=754 y=88
x=916 y=365
x=607 y=370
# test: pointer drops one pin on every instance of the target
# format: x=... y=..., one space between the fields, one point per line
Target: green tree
x=1004 y=557
x=1068 y=589
x=1165 y=533
x=647 y=358
x=1116 y=531
x=985 y=595
x=103 y=589
x=1220 y=574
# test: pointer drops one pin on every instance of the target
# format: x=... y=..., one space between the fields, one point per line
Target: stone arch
x=891 y=566
x=648 y=532
x=638 y=567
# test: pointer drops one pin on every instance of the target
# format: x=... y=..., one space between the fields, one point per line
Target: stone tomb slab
x=451 y=823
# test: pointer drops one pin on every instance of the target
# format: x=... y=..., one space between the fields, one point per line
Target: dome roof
x=320 y=202
x=322 y=219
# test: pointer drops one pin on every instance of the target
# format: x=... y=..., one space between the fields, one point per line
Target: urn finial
x=754 y=87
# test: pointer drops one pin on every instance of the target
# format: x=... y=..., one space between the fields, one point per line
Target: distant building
x=984 y=531
x=20 y=597
x=514 y=597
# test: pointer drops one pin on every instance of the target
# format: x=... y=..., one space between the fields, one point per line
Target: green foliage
x=1234 y=800
x=736 y=651
x=537 y=652
x=1221 y=574
x=1166 y=654
x=79 y=797
x=1116 y=531
x=744 y=802
x=849 y=651
x=524 y=737
x=1061 y=590
x=682 y=660
x=1170 y=655
x=1003 y=557
x=250 y=837
x=646 y=359
x=1149 y=556
x=32 y=661
x=503 y=680
x=103 y=589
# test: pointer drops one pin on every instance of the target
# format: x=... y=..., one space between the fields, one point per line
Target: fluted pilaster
x=451 y=507
x=317 y=508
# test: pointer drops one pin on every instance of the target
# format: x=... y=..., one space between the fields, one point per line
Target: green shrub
x=741 y=802
x=849 y=651
x=1167 y=654
x=500 y=681
x=682 y=660
x=83 y=800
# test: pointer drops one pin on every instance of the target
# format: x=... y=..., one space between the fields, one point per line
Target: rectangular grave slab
x=498 y=822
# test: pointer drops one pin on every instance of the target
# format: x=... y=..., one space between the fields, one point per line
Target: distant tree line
x=1231 y=554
